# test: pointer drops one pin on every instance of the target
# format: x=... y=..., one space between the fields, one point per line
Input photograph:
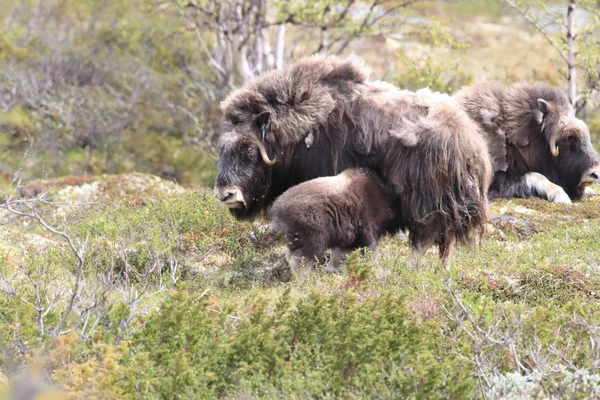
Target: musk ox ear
x=263 y=123
x=542 y=110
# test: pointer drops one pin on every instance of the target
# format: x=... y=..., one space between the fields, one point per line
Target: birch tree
x=575 y=42
x=244 y=38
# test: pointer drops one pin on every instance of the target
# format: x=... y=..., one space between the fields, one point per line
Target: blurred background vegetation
x=91 y=87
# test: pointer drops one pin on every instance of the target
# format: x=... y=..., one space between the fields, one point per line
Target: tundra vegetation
x=122 y=277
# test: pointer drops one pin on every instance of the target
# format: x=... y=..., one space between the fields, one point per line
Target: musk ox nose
x=224 y=196
x=591 y=176
x=231 y=196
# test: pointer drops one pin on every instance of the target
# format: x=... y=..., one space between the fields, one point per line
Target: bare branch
x=279 y=50
x=77 y=248
x=571 y=54
x=539 y=28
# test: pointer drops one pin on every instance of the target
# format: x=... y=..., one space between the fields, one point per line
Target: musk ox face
x=574 y=159
x=244 y=169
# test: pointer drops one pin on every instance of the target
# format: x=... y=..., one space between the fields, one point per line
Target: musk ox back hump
x=483 y=103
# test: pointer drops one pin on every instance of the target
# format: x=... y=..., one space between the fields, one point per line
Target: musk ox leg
x=376 y=255
x=546 y=189
x=419 y=250
x=414 y=260
x=305 y=249
x=338 y=255
x=446 y=248
x=301 y=266
x=532 y=184
x=589 y=191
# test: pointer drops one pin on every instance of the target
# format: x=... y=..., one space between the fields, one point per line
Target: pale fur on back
x=316 y=91
x=483 y=103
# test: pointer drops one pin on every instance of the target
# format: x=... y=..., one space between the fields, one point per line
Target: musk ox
x=320 y=116
x=537 y=146
x=342 y=212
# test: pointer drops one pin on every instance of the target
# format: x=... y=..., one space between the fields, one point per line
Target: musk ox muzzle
x=590 y=177
x=231 y=196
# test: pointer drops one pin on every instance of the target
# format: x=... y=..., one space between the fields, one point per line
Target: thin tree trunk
x=280 y=47
x=571 y=54
x=324 y=46
x=268 y=51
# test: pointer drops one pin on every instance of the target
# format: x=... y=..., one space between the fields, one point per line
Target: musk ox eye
x=251 y=152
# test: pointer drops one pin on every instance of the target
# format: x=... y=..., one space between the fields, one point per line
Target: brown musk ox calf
x=537 y=146
x=320 y=116
x=344 y=212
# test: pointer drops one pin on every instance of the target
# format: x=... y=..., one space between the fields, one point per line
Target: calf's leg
x=338 y=255
x=304 y=249
x=301 y=266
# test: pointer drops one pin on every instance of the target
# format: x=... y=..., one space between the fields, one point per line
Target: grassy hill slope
x=178 y=297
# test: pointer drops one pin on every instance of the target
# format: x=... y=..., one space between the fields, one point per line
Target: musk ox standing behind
x=320 y=116
x=342 y=212
x=537 y=145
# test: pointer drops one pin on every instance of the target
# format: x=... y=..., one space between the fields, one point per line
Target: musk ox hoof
x=300 y=266
x=332 y=270
x=559 y=196
x=413 y=263
x=445 y=266
x=542 y=187
x=301 y=272
x=590 y=192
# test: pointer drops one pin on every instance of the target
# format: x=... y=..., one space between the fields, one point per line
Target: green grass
x=230 y=322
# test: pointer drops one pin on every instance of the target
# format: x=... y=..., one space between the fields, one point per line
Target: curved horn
x=263 y=152
x=553 y=136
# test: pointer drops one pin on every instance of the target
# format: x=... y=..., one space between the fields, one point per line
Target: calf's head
x=574 y=159
x=244 y=169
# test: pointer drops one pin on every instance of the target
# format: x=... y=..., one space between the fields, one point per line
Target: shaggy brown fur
x=343 y=212
x=518 y=122
x=320 y=116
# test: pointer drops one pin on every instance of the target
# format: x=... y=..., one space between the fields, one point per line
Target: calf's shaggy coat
x=343 y=212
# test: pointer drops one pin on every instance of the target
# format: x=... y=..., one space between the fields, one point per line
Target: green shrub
x=319 y=346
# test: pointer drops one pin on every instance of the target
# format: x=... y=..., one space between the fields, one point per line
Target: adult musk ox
x=320 y=116
x=342 y=212
x=537 y=146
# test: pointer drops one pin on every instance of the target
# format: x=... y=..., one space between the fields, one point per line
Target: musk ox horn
x=553 y=136
x=263 y=152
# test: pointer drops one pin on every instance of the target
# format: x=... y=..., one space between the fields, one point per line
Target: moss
x=9 y=49
x=18 y=121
